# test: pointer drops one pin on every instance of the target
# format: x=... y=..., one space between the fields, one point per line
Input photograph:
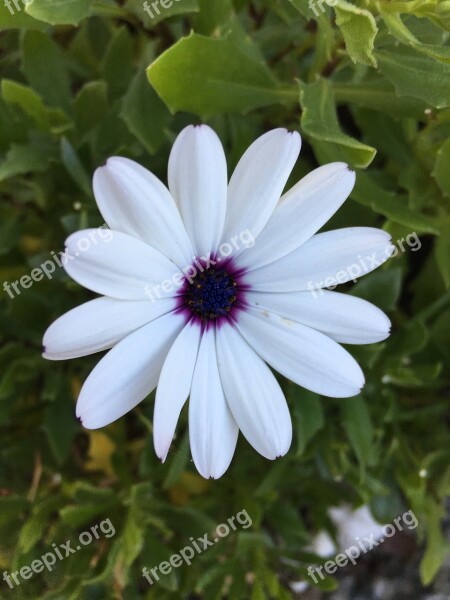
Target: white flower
x=353 y=526
x=352 y=529
x=212 y=336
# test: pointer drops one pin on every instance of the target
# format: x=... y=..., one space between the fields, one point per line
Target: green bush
x=367 y=83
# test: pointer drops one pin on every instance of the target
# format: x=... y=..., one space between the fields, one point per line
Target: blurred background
x=364 y=82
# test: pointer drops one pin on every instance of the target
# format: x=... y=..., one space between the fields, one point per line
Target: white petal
x=98 y=325
x=344 y=318
x=253 y=395
x=198 y=182
x=128 y=373
x=116 y=264
x=301 y=212
x=213 y=432
x=323 y=545
x=174 y=386
x=307 y=357
x=356 y=524
x=327 y=259
x=258 y=182
x=132 y=200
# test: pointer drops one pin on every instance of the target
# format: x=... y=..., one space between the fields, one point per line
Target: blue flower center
x=211 y=294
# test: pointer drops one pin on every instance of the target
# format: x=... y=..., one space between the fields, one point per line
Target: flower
x=355 y=526
x=190 y=310
x=355 y=529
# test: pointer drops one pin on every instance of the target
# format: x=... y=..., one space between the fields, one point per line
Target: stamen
x=211 y=294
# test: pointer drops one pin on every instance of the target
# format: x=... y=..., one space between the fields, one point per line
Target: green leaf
x=75 y=167
x=12 y=508
x=47 y=119
x=441 y=171
x=213 y=14
x=145 y=114
x=11 y=18
x=436 y=546
x=32 y=157
x=409 y=340
x=117 y=67
x=367 y=191
x=442 y=253
x=90 y=106
x=309 y=417
x=178 y=463
x=9 y=233
x=151 y=14
x=359 y=30
x=36 y=524
x=44 y=66
x=358 y=425
x=208 y=76
x=399 y=30
x=60 y=427
x=382 y=288
x=415 y=75
x=319 y=121
x=132 y=539
x=59 y=12
x=378 y=94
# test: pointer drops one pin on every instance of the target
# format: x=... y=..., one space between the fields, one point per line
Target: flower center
x=211 y=294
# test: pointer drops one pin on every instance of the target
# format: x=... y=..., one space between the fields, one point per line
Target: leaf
x=117 y=67
x=213 y=14
x=75 y=167
x=36 y=524
x=9 y=233
x=358 y=425
x=10 y=18
x=152 y=13
x=415 y=75
x=60 y=427
x=32 y=157
x=399 y=30
x=319 y=121
x=359 y=30
x=208 y=76
x=90 y=106
x=47 y=119
x=382 y=288
x=379 y=94
x=178 y=463
x=44 y=67
x=392 y=205
x=309 y=417
x=410 y=340
x=145 y=114
x=436 y=546
x=59 y=12
x=442 y=254
x=132 y=539
x=441 y=171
